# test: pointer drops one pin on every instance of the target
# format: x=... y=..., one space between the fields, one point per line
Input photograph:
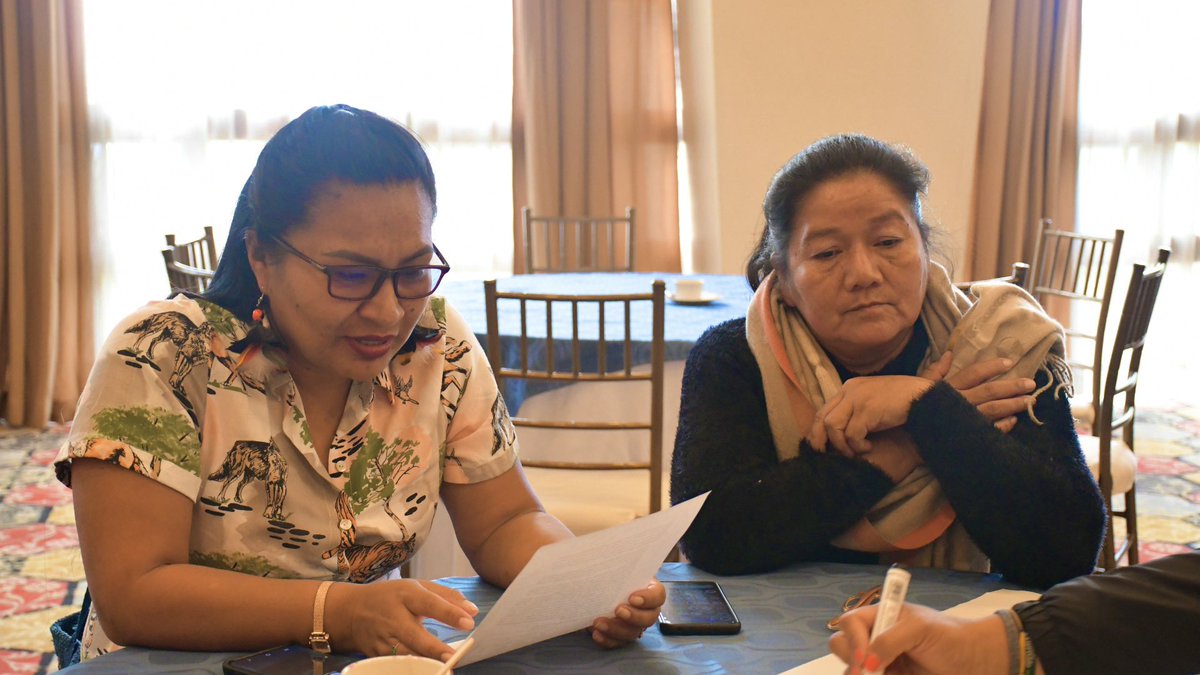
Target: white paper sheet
x=568 y=584
x=972 y=609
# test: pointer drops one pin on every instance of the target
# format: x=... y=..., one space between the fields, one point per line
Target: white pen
x=891 y=599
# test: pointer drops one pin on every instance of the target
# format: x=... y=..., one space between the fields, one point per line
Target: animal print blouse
x=168 y=399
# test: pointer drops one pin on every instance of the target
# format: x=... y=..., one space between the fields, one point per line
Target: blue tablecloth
x=783 y=617
x=682 y=326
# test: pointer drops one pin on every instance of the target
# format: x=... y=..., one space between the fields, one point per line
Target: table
x=783 y=617
x=683 y=324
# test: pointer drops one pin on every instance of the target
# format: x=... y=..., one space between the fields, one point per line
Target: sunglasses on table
x=860 y=599
x=361 y=282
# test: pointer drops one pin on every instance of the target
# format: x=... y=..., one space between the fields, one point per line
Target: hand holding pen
x=908 y=639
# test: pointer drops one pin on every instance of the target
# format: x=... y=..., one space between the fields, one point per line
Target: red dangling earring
x=259 y=314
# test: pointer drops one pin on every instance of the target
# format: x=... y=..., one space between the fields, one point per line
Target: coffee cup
x=394 y=665
x=689 y=289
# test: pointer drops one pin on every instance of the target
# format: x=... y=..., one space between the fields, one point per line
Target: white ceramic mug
x=689 y=289
x=394 y=665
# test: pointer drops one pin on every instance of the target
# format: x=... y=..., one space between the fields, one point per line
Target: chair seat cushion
x=1082 y=412
x=1124 y=462
x=600 y=402
x=587 y=501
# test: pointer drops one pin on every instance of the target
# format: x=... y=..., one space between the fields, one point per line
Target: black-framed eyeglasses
x=360 y=282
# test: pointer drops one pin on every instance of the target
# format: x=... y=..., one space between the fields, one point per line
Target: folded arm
x=1026 y=497
x=762 y=513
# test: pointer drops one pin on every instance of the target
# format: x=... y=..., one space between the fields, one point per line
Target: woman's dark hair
x=829 y=158
x=323 y=145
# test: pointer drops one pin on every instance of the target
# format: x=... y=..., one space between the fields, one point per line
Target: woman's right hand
x=386 y=617
x=998 y=400
x=921 y=642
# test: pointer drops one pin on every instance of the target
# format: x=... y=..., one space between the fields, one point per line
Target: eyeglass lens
x=360 y=283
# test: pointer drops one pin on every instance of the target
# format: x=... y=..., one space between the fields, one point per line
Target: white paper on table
x=568 y=584
x=977 y=608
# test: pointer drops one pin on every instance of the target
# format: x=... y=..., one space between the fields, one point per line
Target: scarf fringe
x=1056 y=368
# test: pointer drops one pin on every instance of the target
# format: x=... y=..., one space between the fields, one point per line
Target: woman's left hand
x=865 y=405
x=999 y=400
x=631 y=619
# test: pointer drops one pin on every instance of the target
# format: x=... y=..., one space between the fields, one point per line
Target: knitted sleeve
x=1026 y=497
x=762 y=513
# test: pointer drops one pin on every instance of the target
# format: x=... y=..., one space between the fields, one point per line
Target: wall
x=764 y=78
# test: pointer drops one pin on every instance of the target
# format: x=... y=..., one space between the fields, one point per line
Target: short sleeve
x=481 y=442
x=143 y=401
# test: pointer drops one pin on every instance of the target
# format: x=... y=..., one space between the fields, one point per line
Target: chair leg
x=1131 y=531
x=1108 y=552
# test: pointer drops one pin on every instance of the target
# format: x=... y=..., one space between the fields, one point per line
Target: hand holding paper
x=566 y=585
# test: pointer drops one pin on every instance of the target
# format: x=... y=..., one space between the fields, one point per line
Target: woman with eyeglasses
x=244 y=461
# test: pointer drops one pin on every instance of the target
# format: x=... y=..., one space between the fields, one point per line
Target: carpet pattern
x=41 y=575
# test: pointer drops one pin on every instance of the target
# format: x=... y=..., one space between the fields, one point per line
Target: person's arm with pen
x=1132 y=621
x=923 y=641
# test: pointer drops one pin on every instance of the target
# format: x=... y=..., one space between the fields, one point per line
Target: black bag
x=67 y=634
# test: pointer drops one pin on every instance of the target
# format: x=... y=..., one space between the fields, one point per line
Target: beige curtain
x=45 y=243
x=594 y=127
x=1028 y=145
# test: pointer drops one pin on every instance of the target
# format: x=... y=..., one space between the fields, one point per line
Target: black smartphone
x=286 y=661
x=696 y=608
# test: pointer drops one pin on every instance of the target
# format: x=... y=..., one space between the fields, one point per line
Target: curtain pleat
x=46 y=334
x=594 y=127
x=1027 y=158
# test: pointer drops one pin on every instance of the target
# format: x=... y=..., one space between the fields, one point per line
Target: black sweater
x=1026 y=498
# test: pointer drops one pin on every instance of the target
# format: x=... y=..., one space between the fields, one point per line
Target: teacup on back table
x=689 y=289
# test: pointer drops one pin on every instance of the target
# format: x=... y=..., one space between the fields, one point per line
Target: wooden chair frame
x=577 y=373
x=191 y=264
x=200 y=253
x=1130 y=337
x=185 y=277
x=592 y=249
x=1079 y=268
x=1019 y=277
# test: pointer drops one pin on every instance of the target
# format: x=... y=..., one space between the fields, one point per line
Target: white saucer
x=704 y=299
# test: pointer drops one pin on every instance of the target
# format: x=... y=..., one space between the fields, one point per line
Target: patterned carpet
x=41 y=576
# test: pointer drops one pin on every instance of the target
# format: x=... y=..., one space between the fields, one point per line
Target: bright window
x=184 y=95
x=1139 y=165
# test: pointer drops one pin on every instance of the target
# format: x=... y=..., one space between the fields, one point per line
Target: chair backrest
x=185 y=277
x=582 y=244
x=1019 y=277
x=199 y=253
x=1079 y=268
x=1130 y=338
x=575 y=355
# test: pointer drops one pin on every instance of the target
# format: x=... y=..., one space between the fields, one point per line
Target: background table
x=783 y=617
x=683 y=323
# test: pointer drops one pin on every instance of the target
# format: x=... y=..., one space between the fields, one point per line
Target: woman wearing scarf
x=865 y=410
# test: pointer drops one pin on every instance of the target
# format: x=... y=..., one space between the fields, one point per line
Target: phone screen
x=286 y=660
x=696 y=608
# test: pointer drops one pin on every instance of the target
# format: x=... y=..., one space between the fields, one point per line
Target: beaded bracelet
x=1028 y=658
